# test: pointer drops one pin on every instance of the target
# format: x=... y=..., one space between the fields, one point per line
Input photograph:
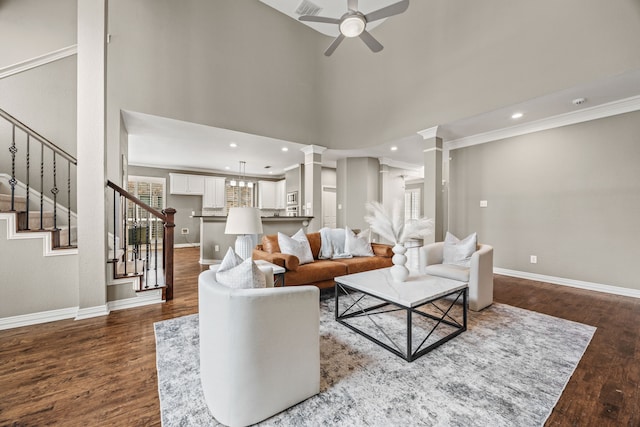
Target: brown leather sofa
x=321 y=271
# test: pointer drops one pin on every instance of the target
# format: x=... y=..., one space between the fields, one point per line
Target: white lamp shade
x=243 y=221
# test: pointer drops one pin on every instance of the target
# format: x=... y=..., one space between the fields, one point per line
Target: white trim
x=209 y=261
x=141 y=299
x=47 y=244
x=313 y=149
x=38 y=61
x=292 y=167
x=89 y=312
x=427 y=150
x=37 y=318
x=186 y=245
x=34 y=195
x=431 y=132
x=614 y=108
x=598 y=287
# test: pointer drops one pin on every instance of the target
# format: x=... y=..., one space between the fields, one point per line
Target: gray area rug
x=508 y=369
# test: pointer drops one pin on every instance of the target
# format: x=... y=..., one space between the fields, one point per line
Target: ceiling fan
x=354 y=23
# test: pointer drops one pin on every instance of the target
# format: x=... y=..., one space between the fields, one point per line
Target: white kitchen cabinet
x=186 y=184
x=281 y=194
x=267 y=195
x=214 y=193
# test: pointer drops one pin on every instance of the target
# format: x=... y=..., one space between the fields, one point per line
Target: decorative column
x=312 y=203
x=91 y=93
x=433 y=183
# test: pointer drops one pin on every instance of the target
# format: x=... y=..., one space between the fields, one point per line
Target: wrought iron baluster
x=147 y=255
x=69 y=200
x=41 y=185
x=124 y=232
x=12 y=182
x=136 y=240
x=115 y=228
x=155 y=252
x=54 y=191
x=28 y=187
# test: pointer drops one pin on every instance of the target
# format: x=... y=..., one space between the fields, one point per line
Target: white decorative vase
x=399 y=272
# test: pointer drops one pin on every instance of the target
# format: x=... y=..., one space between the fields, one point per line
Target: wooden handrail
x=39 y=137
x=124 y=193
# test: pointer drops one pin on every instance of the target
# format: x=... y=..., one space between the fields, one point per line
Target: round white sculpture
x=399 y=271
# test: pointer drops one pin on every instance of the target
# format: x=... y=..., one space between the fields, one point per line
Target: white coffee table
x=419 y=290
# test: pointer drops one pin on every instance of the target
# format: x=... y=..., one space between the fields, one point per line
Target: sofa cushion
x=360 y=264
x=317 y=271
x=449 y=271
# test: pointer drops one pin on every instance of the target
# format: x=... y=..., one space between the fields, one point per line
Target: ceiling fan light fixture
x=352 y=25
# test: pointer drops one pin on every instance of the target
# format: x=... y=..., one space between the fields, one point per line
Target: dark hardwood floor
x=101 y=371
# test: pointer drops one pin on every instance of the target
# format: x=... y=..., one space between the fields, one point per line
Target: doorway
x=329 y=211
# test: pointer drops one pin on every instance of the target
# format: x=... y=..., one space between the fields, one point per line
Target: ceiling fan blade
x=352 y=5
x=334 y=45
x=385 y=12
x=323 y=19
x=370 y=41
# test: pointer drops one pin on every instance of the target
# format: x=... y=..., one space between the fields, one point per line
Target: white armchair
x=479 y=275
x=259 y=349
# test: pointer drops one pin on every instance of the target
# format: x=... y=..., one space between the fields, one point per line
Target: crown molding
x=313 y=149
x=609 y=109
x=38 y=61
x=431 y=132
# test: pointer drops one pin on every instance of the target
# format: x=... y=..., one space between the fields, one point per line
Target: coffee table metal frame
x=369 y=311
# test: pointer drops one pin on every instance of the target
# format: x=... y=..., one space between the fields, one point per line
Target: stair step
x=63 y=233
x=34 y=220
x=133 y=268
x=19 y=203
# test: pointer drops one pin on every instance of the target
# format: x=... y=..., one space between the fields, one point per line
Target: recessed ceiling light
x=394 y=148
x=227 y=167
x=285 y=149
x=579 y=101
x=233 y=145
x=270 y=172
x=516 y=115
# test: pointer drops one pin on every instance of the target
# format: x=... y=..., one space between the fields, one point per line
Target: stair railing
x=139 y=233
x=21 y=168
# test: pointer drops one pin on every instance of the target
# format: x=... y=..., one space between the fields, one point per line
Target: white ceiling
x=329 y=9
x=167 y=143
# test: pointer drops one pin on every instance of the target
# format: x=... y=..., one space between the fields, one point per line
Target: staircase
x=37 y=199
x=143 y=240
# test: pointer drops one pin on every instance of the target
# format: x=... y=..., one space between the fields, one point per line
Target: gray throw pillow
x=458 y=252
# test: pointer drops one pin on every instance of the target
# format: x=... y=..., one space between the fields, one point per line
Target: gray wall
x=570 y=195
x=358 y=181
x=41 y=284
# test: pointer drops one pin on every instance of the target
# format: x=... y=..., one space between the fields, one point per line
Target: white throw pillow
x=238 y=274
x=297 y=245
x=357 y=245
x=458 y=252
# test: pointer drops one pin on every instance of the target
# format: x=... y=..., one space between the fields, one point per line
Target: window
x=150 y=190
x=237 y=195
x=411 y=204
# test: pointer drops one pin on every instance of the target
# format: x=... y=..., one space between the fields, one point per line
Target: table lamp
x=244 y=222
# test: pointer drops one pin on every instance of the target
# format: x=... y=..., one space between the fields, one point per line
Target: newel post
x=167 y=250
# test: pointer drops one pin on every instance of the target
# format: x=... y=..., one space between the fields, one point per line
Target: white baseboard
x=208 y=261
x=186 y=245
x=89 y=312
x=37 y=318
x=598 y=287
x=144 y=298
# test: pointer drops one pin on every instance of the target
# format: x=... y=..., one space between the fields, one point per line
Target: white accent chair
x=479 y=275
x=259 y=349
